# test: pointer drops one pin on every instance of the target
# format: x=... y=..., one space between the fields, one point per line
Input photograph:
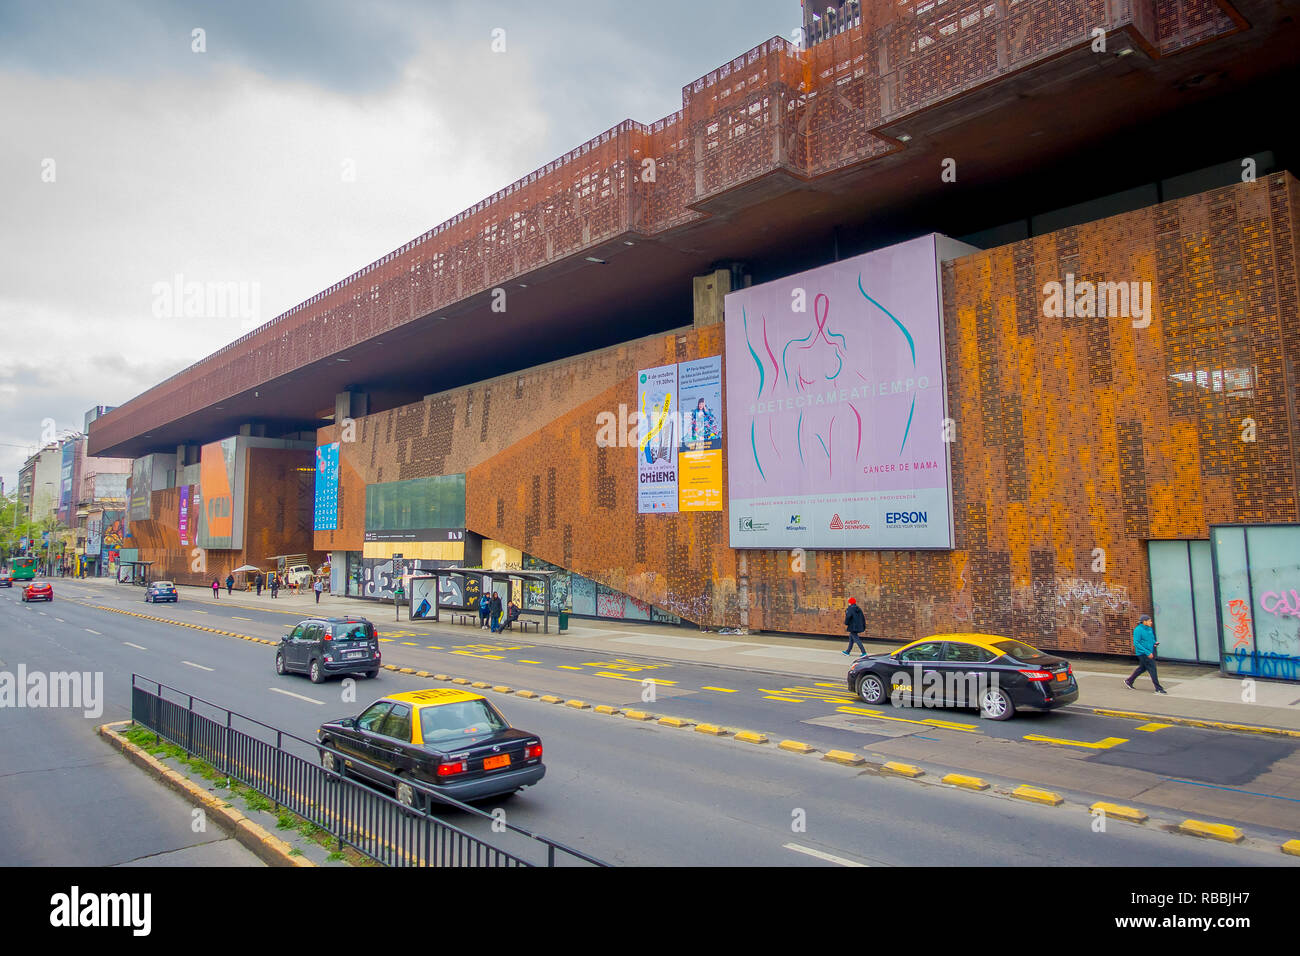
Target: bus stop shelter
x=496 y=574
x=139 y=572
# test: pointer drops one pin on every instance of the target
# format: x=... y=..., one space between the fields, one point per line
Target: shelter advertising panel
x=836 y=389
x=656 y=440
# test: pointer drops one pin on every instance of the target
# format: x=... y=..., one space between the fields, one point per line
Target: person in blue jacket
x=1144 y=646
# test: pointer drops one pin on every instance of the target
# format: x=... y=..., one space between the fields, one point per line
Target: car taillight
x=451 y=769
x=532 y=750
x=1037 y=675
x=327 y=636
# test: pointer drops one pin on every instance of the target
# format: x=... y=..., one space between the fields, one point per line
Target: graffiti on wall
x=1241 y=631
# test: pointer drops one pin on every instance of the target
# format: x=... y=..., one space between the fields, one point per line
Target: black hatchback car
x=320 y=647
x=997 y=675
x=452 y=741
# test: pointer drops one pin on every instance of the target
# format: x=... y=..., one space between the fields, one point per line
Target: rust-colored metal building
x=1091 y=137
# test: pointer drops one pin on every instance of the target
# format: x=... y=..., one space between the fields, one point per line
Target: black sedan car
x=997 y=675
x=451 y=740
x=319 y=647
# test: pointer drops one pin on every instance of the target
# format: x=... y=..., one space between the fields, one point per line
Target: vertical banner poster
x=183 y=519
x=699 y=454
x=327 y=488
x=836 y=389
x=656 y=461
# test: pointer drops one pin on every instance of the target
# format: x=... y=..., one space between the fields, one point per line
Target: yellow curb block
x=713 y=730
x=265 y=846
x=1291 y=847
x=1193 y=722
x=525 y=693
x=577 y=704
x=423 y=674
x=482 y=684
x=442 y=677
x=846 y=757
x=675 y=722
x=390 y=667
x=406 y=670
x=961 y=780
x=1119 y=812
x=797 y=747
x=636 y=715
x=750 y=737
x=460 y=680
x=902 y=769
x=552 y=699
x=501 y=688
x=605 y=709
x=1035 y=795
x=1212 y=831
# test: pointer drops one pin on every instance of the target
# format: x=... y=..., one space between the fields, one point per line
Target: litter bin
x=564 y=621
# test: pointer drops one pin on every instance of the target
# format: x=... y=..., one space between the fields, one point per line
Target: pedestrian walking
x=275 y=585
x=258 y=583
x=483 y=607
x=855 y=623
x=317 y=587
x=216 y=589
x=230 y=584
x=494 y=609
x=1144 y=646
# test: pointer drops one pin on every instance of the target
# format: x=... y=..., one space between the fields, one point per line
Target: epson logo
x=906 y=517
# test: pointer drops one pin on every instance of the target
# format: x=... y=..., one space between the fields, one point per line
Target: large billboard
x=656 y=460
x=67 y=465
x=183 y=517
x=837 y=398
x=699 y=453
x=221 y=499
x=141 y=486
x=326 y=512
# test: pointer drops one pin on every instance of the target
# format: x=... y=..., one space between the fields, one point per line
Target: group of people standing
x=317 y=586
x=489 y=613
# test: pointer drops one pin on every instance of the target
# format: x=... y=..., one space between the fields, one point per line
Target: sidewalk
x=1196 y=692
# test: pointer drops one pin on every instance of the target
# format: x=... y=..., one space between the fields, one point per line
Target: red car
x=38 y=591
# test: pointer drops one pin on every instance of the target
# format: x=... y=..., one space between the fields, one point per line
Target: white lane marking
x=199 y=666
x=42 y=614
x=90 y=631
x=289 y=693
x=61 y=620
x=829 y=857
x=243 y=619
x=136 y=646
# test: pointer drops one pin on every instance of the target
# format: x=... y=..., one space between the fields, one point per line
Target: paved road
x=1203 y=772
x=626 y=792
x=66 y=798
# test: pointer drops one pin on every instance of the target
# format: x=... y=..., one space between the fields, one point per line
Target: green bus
x=24 y=569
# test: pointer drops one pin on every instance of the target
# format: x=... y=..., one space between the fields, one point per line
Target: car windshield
x=1020 y=651
x=162 y=584
x=354 y=631
x=469 y=718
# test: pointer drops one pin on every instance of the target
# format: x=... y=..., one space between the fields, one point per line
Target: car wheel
x=371 y=675
x=315 y=673
x=329 y=762
x=872 y=689
x=279 y=664
x=408 y=796
x=996 y=705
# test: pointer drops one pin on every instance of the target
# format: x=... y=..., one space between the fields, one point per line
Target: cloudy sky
x=306 y=139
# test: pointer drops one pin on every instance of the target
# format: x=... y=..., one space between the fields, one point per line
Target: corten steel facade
x=776 y=110
x=1077 y=439
x=277 y=521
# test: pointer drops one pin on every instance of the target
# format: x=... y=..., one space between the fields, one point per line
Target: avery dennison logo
x=848 y=524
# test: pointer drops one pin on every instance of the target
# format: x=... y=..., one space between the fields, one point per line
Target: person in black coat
x=855 y=623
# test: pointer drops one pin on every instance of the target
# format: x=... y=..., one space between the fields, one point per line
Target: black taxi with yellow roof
x=998 y=675
x=453 y=741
